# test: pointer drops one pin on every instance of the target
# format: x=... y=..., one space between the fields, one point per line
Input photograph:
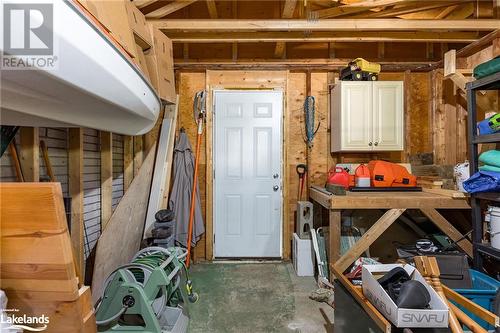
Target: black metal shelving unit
x=491 y=82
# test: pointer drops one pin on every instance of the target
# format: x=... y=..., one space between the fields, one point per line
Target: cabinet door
x=388 y=115
x=356 y=116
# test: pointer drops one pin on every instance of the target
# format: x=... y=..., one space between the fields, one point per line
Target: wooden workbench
x=395 y=203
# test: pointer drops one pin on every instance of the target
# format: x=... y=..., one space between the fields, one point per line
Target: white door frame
x=282 y=159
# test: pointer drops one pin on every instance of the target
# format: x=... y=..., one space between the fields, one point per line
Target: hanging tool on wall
x=301 y=171
x=15 y=159
x=309 y=115
x=46 y=160
x=199 y=114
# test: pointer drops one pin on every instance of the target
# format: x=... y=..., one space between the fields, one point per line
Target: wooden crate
x=37 y=271
x=137 y=22
x=160 y=64
x=64 y=316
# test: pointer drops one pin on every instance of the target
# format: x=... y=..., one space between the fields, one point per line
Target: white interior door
x=356 y=116
x=388 y=115
x=247 y=183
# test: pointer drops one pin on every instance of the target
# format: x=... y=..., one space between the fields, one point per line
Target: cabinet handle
x=370 y=144
x=376 y=143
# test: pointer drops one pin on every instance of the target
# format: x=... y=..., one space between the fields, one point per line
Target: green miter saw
x=146 y=295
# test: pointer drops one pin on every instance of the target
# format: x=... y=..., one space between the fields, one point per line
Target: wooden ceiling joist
x=169 y=8
x=240 y=25
x=288 y=11
x=326 y=37
x=292 y=64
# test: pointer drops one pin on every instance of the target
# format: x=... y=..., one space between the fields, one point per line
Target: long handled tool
x=301 y=171
x=199 y=117
x=46 y=159
x=15 y=159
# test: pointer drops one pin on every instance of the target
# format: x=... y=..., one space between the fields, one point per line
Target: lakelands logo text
x=28 y=323
x=28 y=35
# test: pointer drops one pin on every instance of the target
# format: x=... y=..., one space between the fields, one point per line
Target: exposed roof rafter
x=212 y=9
x=169 y=8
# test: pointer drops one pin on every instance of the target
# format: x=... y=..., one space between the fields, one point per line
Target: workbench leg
x=335 y=226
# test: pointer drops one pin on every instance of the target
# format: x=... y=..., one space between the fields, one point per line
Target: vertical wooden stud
x=429 y=50
x=106 y=177
x=75 y=182
x=286 y=174
x=405 y=155
x=331 y=50
x=138 y=154
x=210 y=232
x=335 y=229
x=128 y=161
x=235 y=52
x=308 y=149
x=30 y=154
x=381 y=50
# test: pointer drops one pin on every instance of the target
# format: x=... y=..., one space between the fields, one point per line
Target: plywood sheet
x=123 y=234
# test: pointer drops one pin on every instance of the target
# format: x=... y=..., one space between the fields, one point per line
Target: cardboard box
x=436 y=316
x=113 y=16
x=160 y=63
x=137 y=22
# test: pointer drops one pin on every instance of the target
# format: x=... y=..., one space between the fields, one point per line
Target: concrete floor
x=254 y=298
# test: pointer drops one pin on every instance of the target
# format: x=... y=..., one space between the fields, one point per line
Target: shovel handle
x=301 y=169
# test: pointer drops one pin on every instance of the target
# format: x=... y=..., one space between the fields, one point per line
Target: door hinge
x=214 y=174
x=214 y=238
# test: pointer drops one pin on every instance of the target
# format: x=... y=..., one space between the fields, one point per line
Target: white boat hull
x=94 y=85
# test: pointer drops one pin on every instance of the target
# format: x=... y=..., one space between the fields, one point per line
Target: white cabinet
x=367 y=116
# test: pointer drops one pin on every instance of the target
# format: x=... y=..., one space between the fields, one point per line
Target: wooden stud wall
x=417 y=121
x=30 y=153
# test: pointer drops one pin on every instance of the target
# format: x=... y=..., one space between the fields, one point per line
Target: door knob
x=275 y=176
x=376 y=143
x=276 y=188
x=370 y=144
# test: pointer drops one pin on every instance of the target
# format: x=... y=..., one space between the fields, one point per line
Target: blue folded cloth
x=483 y=181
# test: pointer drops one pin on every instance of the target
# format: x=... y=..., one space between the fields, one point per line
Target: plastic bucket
x=494 y=226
